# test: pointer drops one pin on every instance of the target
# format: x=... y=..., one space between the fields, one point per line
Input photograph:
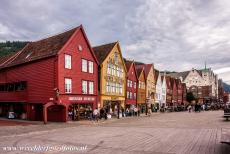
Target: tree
x=190 y=97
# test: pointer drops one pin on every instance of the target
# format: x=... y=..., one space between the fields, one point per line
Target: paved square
x=177 y=132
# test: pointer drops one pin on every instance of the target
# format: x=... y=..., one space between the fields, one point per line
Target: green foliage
x=9 y=47
x=190 y=97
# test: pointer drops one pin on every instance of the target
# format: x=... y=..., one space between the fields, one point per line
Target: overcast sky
x=175 y=35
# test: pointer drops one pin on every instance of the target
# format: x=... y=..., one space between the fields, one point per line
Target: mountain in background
x=9 y=47
x=226 y=87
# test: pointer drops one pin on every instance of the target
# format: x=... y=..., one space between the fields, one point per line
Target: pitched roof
x=42 y=48
x=156 y=75
x=128 y=64
x=103 y=51
x=179 y=74
x=139 y=70
x=147 y=68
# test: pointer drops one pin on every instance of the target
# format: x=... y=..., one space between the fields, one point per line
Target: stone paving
x=177 y=132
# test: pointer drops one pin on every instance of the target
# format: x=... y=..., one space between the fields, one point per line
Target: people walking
x=96 y=114
x=189 y=108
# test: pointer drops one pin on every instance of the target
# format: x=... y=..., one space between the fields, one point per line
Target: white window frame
x=68 y=61
x=68 y=85
x=84 y=64
x=84 y=87
x=90 y=63
x=91 y=87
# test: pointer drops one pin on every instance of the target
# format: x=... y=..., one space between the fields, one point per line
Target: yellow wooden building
x=141 y=90
x=112 y=77
x=150 y=84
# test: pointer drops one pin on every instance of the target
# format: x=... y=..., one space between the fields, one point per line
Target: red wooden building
x=131 y=84
x=179 y=92
x=50 y=78
x=174 y=92
x=168 y=91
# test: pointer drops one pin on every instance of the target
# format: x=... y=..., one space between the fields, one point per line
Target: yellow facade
x=113 y=78
x=141 y=93
x=150 y=87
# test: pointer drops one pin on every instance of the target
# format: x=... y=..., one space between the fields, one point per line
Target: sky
x=175 y=35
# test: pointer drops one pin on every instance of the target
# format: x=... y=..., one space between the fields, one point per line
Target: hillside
x=226 y=87
x=9 y=47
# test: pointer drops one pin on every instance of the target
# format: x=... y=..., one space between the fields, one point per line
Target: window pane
x=90 y=67
x=84 y=65
x=68 y=85
x=91 y=88
x=67 y=61
x=84 y=87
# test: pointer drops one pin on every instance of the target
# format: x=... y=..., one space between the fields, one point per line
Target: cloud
x=174 y=35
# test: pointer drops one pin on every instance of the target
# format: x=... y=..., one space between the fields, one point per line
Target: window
x=139 y=85
x=107 y=87
x=84 y=65
x=84 y=87
x=131 y=83
x=90 y=67
x=134 y=95
x=109 y=68
x=121 y=90
x=131 y=95
x=117 y=88
x=80 y=47
x=127 y=94
x=134 y=84
x=68 y=85
x=91 y=87
x=68 y=61
x=116 y=57
x=113 y=87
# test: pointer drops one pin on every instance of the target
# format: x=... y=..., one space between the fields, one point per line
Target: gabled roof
x=162 y=78
x=44 y=48
x=179 y=74
x=139 y=70
x=41 y=49
x=168 y=81
x=156 y=75
x=147 y=68
x=129 y=64
x=103 y=51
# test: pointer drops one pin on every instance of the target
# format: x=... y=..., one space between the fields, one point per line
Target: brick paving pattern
x=167 y=133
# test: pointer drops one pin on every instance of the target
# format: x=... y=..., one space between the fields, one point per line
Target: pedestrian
x=102 y=111
x=135 y=111
x=189 y=108
x=149 y=112
x=96 y=114
x=122 y=111
x=127 y=112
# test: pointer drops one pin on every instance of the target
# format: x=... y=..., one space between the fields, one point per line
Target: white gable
x=194 y=78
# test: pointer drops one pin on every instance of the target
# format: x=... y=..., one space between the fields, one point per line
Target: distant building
x=203 y=83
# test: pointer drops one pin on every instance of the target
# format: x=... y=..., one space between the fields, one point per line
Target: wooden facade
x=112 y=73
x=141 y=91
x=41 y=67
x=131 y=84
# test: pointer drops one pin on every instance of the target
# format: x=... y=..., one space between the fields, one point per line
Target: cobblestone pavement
x=177 y=132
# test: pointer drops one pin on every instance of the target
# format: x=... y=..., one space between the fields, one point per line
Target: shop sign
x=81 y=98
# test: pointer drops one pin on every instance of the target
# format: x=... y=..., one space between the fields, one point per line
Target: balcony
x=16 y=96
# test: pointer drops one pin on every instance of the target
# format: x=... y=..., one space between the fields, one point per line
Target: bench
x=226 y=114
x=225 y=136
